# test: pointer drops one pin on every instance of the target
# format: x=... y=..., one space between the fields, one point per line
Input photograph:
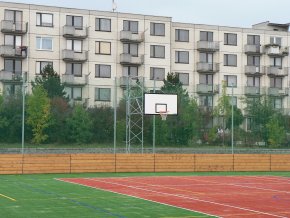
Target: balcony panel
x=207 y=89
x=69 y=79
x=7 y=51
x=253 y=49
x=70 y=55
x=278 y=51
x=253 y=90
x=72 y=32
x=208 y=46
x=276 y=71
x=207 y=67
x=128 y=59
x=8 y=76
x=277 y=92
x=254 y=70
x=128 y=36
x=8 y=26
x=125 y=80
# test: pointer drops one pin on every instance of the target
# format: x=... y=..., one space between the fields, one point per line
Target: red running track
x=221 y=196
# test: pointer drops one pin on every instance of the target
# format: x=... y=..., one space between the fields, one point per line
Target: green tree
x=50 y=81
x=277 y=133
x=79 y=126
x=38 y=114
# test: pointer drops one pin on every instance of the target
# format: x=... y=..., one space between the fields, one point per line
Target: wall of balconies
x=70 y=55
x=9 y=51
x=8 y=26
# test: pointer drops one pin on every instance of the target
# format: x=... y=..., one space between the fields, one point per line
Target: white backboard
x=154 y=103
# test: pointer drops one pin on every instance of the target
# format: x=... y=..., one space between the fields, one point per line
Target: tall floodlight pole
x=232 y=118
x=154 y=85
x=23 y=111
x=115 y=115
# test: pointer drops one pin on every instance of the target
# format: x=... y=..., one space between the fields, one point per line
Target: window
x=102 y=94
x=13 y=40
x=15 y=16
x=206 y=79
x=253 y=81
x=276 y=62
x=103 y=48
x=182 y=57
x=206 y=100
x=277 y=103
x=40 y=65
x=157 y=51
x=157 y=73
x=44 y=43
x=129 y=25
x=276 y=82
x=129 y=48
x=103 y=71
x=230 y=80
x=206 y=36
x=11 y=89
x=131 y=71
x=253 y=60
x=157 y=29
x=43 y=19
x=230 y=60
x=253 y=40
x=183 y=78
x=74 y=93
x=275 y=40
x=181 y=35
x=74 y=45
x=205 y=57
x=75 y=21
x=103 y=24
x=74 y=69
x=13 y=65
x=230 y=39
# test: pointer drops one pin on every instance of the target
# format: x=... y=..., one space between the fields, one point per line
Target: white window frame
x=41 y=38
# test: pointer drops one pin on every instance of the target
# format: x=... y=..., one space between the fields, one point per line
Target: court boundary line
x=5 y=196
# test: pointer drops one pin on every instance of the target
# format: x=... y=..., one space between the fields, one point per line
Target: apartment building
x=96 y=51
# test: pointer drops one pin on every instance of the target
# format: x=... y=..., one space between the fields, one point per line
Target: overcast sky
x=241 y=13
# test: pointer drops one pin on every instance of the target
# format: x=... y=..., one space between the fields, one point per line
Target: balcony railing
x=276 y=71
x=128 y=36
x=125 y=80
x=208 y=46
x=254 y=70
x=9 y=26
x=253 y=49
x=277 y=50
x=70 y=55
x=9 y=51
x=253 y=90
x=131 y=60
x=277 y=91
x=207 y=67
x=207 y=89
x=73 y=32
x=70 y=79
x=10 y=76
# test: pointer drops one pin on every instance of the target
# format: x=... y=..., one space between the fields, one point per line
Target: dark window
x=206 y=36
x=102 y=94
x=131 y=71
x=13 y=65
x=182 y=57
x=253 y=81
x=181 y=35
x=130 y=48
x=206 y=79
x=157 y=29
x=74 y=69
x=103 y=71
x=230 y=39
x=43 y=19
x=253 y=40
x=157 y=51
x=103 y=48
x=253 y=60
x=183 y=78
x=157 y=73
x=40 y=65
x=276 y=82
x=230 y=60
x=230 y=80
x=103 y=24
x=75 y=21
x=129 y=25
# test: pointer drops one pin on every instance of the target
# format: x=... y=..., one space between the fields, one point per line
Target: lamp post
x=24 y=75
x=232 y=118
x=154 y=85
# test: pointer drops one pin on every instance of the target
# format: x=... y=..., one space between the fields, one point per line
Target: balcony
x=128 y=59
x=125 y=80
x=277 y=92
x=73 y=32
x=253 y=90
x=202 y=67
x=8 y=76
x=253 y=49
x=71 y=80
x=19 y=28
x=207 y=89
x=276 y=71
x=277 y=51
x=255 y=70
x=208 y=46
x=72 y=56
x=9 y=51
x=128 y=36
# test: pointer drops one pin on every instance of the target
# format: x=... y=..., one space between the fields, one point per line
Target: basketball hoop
x=163 y=114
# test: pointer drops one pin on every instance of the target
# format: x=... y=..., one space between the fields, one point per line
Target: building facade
x=96 y=51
